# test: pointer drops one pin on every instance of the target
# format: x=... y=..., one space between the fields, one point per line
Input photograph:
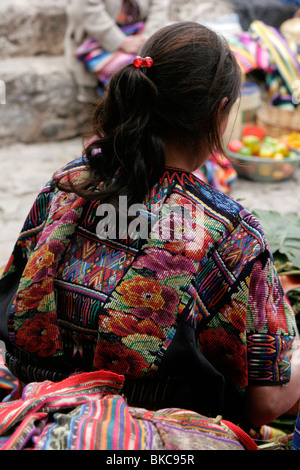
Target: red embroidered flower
x=38 y=335
x=123 y=324
x=119 y=359
x=146 y=297
x=227 y=352
x=235 y=314
x=164 y=264
x=30 y=297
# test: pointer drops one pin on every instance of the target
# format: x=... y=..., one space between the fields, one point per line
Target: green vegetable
x=283 y=235
x=294 y=297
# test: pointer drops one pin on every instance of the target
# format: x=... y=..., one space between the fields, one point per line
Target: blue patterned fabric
x=296 y=437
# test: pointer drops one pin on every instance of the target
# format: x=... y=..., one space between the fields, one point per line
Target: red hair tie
x=142 y=62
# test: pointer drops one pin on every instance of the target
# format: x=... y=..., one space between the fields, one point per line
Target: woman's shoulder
x=77 y=166
x=228 y=217
x=216 y=205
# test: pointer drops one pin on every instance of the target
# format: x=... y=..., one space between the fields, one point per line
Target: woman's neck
x=183 y=158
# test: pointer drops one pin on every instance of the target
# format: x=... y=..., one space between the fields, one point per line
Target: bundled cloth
x=102 y=62
x=218 y=172
x=87 y=412
x=263 y=47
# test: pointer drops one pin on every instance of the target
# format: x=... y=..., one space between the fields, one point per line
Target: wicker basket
x=250 y=102
x=277 y=121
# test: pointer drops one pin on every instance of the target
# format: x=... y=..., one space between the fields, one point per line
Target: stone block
x=41 y=102
x=31 y=27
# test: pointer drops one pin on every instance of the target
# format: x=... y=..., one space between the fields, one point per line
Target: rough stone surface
x=32 y=27
x=282 y=196
x=38 y=102
x=41 y=101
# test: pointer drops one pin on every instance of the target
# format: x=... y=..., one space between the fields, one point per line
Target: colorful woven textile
x=266 y=433
x=86 y=412
x=281 y=54
x=218 y=172
x=105 y=63
x=264 y=47
x=131 y=304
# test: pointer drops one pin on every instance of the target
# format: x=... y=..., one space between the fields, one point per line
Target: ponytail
x=126 y=151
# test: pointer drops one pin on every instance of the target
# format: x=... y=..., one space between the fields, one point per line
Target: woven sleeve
x=248 y=324
x=271 y=326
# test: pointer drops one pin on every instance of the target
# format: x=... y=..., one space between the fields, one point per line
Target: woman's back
x=188 y=274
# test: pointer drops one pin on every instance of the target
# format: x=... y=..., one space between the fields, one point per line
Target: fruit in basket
x=265 y=170
x=266 y=150
x=287 y=169
x=264 y=159
x=293 y=139
x=269 y=140
x=292 y=154
x=252 y=142
x=245 y=151
x=282 y=148
x=267 y=147
x=235 y=145
x=254 y=130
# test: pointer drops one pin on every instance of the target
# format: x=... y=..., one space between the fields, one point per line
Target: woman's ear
x=222 y=115
x=223 y=104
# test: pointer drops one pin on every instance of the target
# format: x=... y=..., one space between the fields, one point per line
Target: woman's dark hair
x=177 y=99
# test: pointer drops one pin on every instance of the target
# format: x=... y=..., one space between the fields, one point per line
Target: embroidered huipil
x=135 y=305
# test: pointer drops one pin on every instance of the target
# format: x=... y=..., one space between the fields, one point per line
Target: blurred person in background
x=103 y=35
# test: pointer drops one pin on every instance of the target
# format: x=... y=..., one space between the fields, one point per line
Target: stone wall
x=40 y=93
x=31 y=27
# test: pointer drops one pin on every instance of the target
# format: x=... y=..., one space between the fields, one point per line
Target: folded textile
x=87 y=412
x=8 y=383
x=102 y=62
x=263 y=47
x=218 y=172
x=296 y=437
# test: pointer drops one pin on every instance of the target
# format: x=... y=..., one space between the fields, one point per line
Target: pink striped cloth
x=102 y=62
